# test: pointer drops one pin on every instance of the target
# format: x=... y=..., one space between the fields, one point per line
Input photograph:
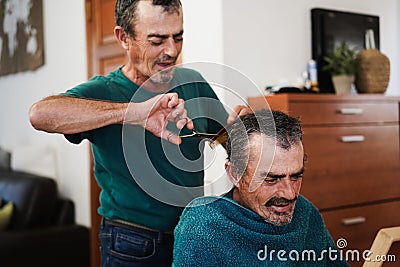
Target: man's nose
x=286 y=189
x=171 y=48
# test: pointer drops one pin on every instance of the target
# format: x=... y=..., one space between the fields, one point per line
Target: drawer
x=339 y=173
x=359 y=226
x=348 y=112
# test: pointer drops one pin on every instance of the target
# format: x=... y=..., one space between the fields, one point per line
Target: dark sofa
x=42 y=231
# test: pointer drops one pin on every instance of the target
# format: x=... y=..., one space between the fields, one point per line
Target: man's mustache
x=166 y=58
x=280 y=201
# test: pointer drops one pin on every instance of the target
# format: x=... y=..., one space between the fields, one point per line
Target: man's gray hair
x=125 y=12
x=284 y=129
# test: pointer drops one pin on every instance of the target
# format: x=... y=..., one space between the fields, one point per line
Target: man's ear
x=122 y=37
x=233 y=176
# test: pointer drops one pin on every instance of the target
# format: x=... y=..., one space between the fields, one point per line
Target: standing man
x=263 y=221
x=133 y=118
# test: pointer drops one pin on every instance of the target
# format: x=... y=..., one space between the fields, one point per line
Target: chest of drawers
x=352 y=173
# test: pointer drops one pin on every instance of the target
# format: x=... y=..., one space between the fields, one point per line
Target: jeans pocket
x=131 y=246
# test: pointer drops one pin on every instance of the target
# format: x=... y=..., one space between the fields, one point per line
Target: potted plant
x=342 y=64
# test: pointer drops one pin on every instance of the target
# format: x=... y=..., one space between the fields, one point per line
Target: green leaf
x=342 y=60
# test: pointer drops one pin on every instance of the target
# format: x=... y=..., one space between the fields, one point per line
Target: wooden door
x=103 y=55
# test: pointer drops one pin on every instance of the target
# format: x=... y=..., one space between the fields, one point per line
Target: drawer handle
x=352 y=138
x=354 y=220
x=351 y=111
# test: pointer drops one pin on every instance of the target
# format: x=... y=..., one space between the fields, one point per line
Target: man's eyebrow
x=275 y=176
x=164 y=36
x=298 y=173
x=279 y=176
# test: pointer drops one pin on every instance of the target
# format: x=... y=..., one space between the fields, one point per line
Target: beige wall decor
x=21 y=36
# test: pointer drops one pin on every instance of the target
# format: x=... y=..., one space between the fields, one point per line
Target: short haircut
x=125 y=12
x=284 y=129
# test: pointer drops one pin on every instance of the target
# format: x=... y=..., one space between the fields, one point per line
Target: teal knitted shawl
x=216 y=231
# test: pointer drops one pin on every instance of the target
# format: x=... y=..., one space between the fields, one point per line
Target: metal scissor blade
x=215 y=139
x=188 y=135
x=196 y=133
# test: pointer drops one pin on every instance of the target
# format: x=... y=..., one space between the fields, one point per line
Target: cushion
x=6 y=212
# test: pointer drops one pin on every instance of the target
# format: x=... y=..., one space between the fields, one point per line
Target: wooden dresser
x=353 y=169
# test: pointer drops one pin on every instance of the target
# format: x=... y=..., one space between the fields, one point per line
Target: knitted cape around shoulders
x=216 y=231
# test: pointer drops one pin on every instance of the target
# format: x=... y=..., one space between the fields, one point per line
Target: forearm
x=68 y=115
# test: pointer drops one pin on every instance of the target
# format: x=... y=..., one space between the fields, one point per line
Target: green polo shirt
x=141 y=176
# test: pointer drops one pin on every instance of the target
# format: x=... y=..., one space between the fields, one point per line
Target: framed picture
x=21 y=36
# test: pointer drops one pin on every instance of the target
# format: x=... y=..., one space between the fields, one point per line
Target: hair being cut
x=126 y=12
x=284 y=129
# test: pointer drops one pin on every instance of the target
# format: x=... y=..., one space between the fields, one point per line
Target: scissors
x=215 y=139
x=196 y=133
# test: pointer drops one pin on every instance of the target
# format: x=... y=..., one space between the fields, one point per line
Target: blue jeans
x=124 y=245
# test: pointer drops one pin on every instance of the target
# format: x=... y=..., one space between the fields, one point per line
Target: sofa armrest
x=34 y=198
x=65 y=212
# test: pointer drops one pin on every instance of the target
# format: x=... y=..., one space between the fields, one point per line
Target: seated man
x=263 y=220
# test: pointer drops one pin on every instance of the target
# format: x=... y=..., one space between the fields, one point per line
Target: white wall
x=266 y=40
x=397 y=56
x=202 y=41
x=65 y=65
